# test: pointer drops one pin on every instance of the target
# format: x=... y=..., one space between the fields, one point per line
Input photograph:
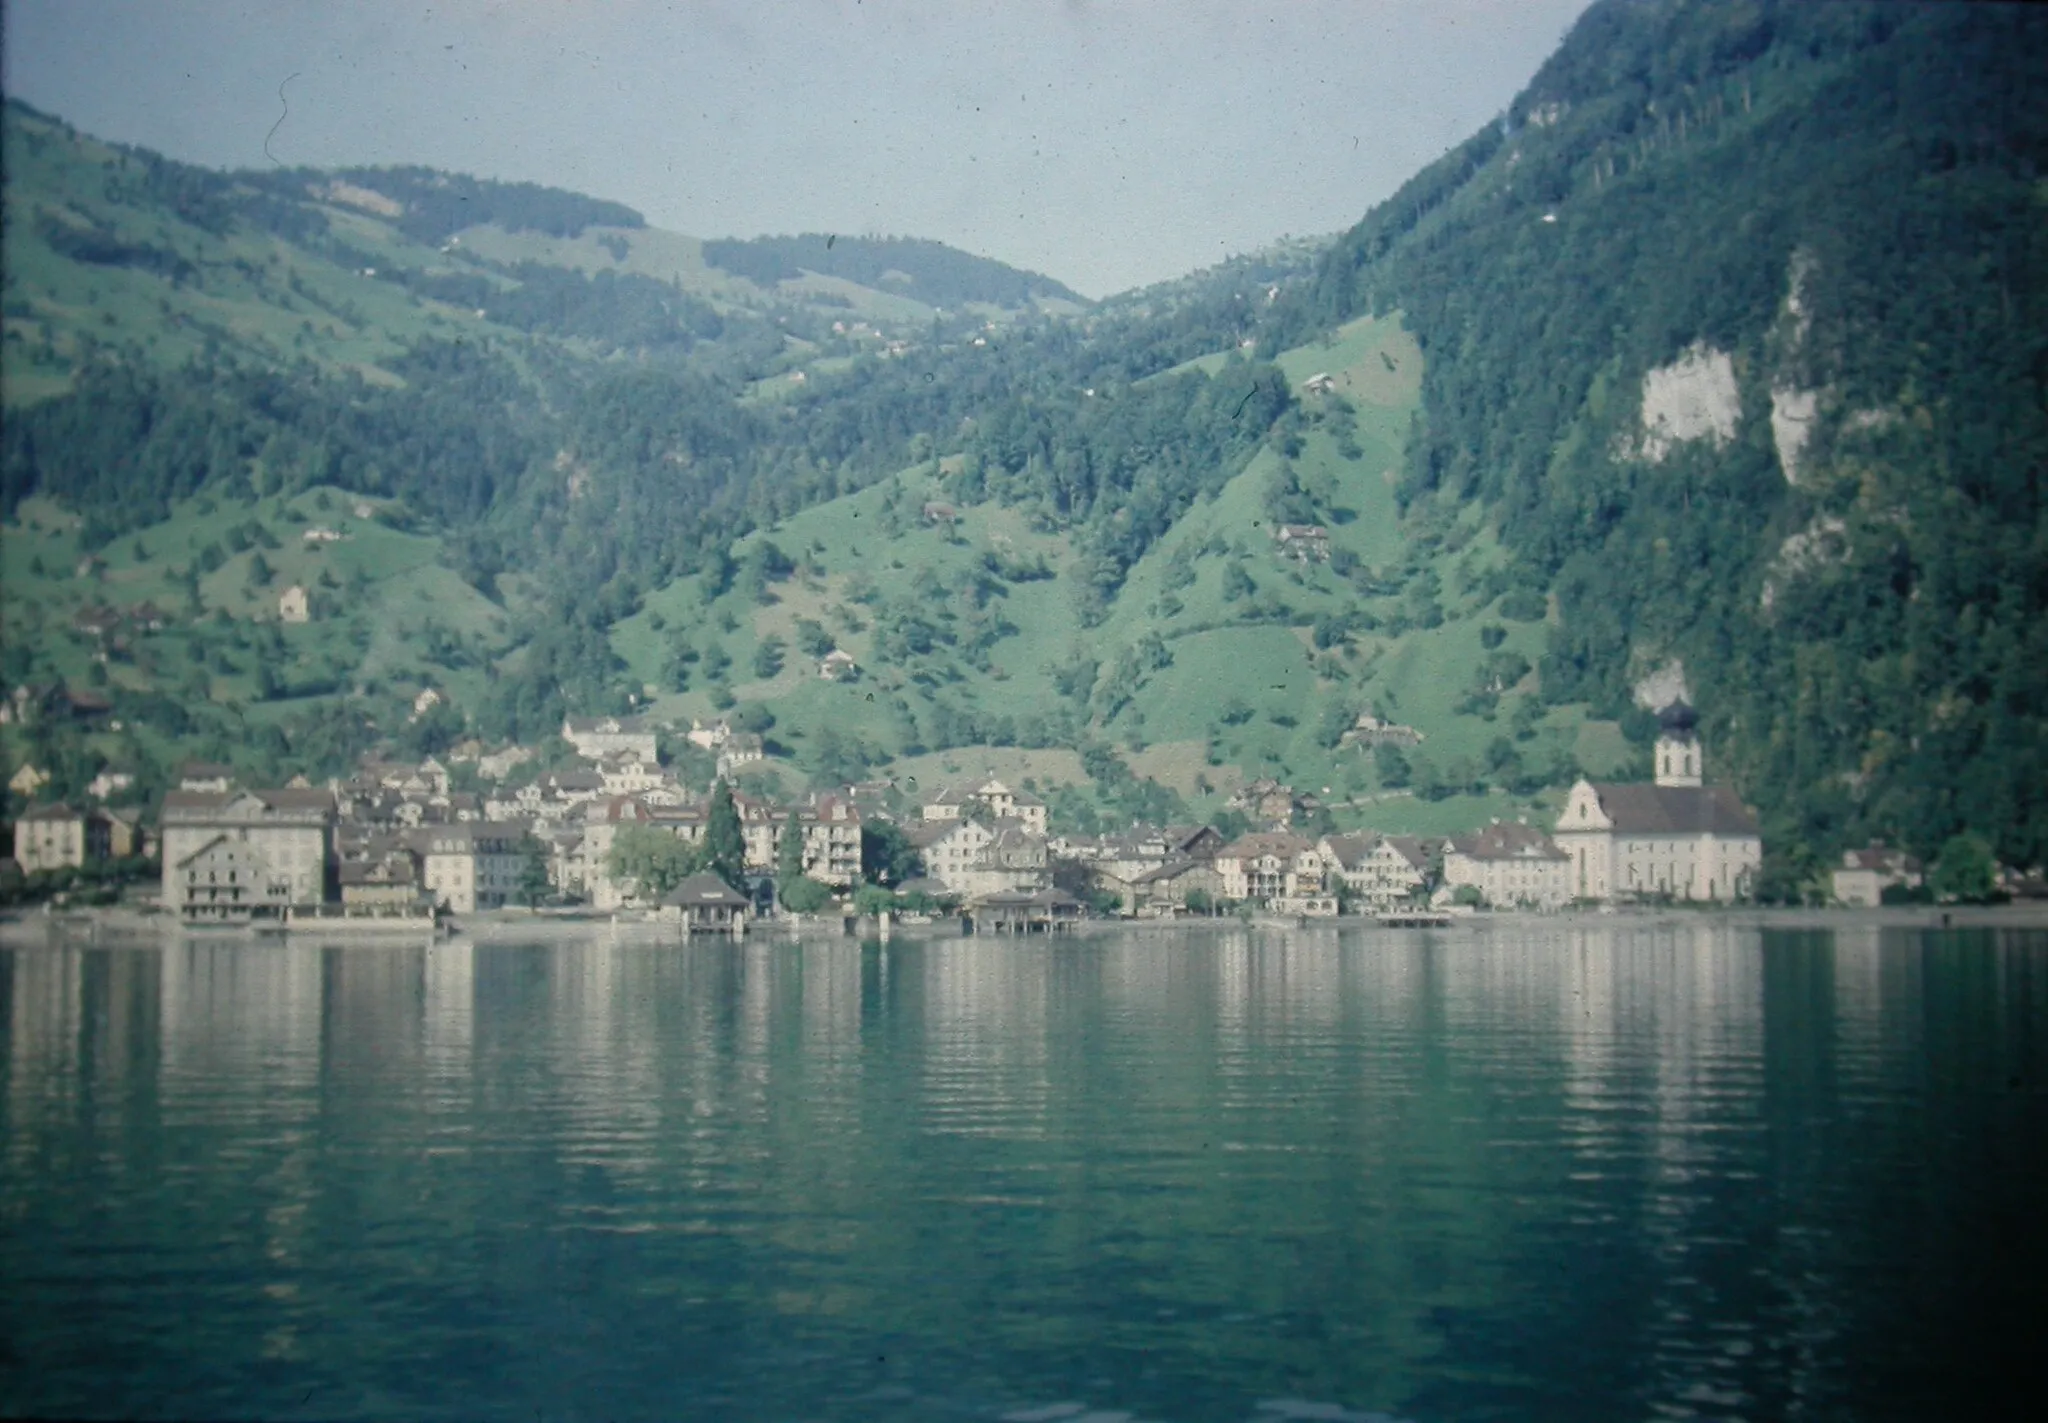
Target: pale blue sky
x=1105 y=144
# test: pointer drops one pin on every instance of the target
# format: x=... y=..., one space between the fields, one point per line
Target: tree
x=725 y=845
x=1392 y=763
x=812 y=637
x=654 y=860
x=1965 y=871
x=803 y=895
x=789 y=852
x=768 y=657
x=868 y=899
x=886 y=855
x=534 y=884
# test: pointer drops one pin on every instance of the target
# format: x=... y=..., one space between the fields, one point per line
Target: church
x=1676 y=837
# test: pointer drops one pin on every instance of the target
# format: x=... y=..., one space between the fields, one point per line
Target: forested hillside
x=932 y=271
x=1738 y=321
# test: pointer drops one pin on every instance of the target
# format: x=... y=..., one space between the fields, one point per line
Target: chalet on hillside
x=1370 y=730
x=1308 y=542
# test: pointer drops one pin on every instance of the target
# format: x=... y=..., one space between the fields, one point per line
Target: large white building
x=991 y=798
x=1677 y=836
x=1510 y=865
x=233 y=854
x=1279 y=869
x=596 y=737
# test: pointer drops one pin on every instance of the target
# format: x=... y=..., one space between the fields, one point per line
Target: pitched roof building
x=1510 y=864
x=1676 y=837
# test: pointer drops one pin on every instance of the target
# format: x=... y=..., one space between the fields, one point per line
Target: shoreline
x=134 y=928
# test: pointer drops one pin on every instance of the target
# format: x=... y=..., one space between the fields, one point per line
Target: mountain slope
x=119 y=252
x=1738 y=323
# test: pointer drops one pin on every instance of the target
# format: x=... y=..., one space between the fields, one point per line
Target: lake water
x=1694 y=1170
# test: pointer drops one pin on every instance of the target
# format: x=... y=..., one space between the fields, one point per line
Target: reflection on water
x=1676 y=1171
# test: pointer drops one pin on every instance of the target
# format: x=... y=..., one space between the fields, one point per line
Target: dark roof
x=924 y=833
x=926 y=885
x=1172 y=870
x=1504 y=840
x=1678 y=719
x=704 y=890
x=1638 y=809
x=1274 y=842
x=1410 y=848
x=296 y=798
x=1353 y=849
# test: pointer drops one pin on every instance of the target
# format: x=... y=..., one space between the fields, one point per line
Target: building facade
x=471 y=866
x=54 y=837
x=596 y=737
x=1676 y=838
x=280 y=840
x=1511 y=866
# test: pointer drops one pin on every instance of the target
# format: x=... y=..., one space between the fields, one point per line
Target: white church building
x=1677 y=836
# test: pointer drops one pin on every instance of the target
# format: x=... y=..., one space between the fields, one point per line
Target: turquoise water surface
x=1693 y=1170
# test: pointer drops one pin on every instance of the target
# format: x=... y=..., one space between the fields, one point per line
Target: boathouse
x=706 y=904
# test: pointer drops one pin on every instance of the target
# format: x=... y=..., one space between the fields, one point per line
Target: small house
x=706 y=904
x=292 y=606
x=1866 y=874
x=1309 y=543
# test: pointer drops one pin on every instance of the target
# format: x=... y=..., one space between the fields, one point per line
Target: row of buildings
x=399 y=838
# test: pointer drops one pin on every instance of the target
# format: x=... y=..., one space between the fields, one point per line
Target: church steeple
x=1679 y=761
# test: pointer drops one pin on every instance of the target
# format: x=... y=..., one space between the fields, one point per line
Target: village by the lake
x=608 y=830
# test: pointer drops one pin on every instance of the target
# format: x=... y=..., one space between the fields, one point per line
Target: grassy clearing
x=1245 y=689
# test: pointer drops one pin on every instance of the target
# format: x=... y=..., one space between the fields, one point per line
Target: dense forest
x=1844 y=198
x=934 y=272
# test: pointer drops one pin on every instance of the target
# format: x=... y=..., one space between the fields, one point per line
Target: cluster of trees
x=932 y=272
x=437 y=205
x=614 y=311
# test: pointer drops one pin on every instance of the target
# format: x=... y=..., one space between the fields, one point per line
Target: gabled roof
x=1637 y=809
x=1268 y=842
x=1351 y=851
x=1505 y=840
x=927 y=886
x=205 y=849
x=1170 y=871
x=296 y=798
x=59 y=811
x=1409 y=847
x=929 y=832
x=704 y=891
